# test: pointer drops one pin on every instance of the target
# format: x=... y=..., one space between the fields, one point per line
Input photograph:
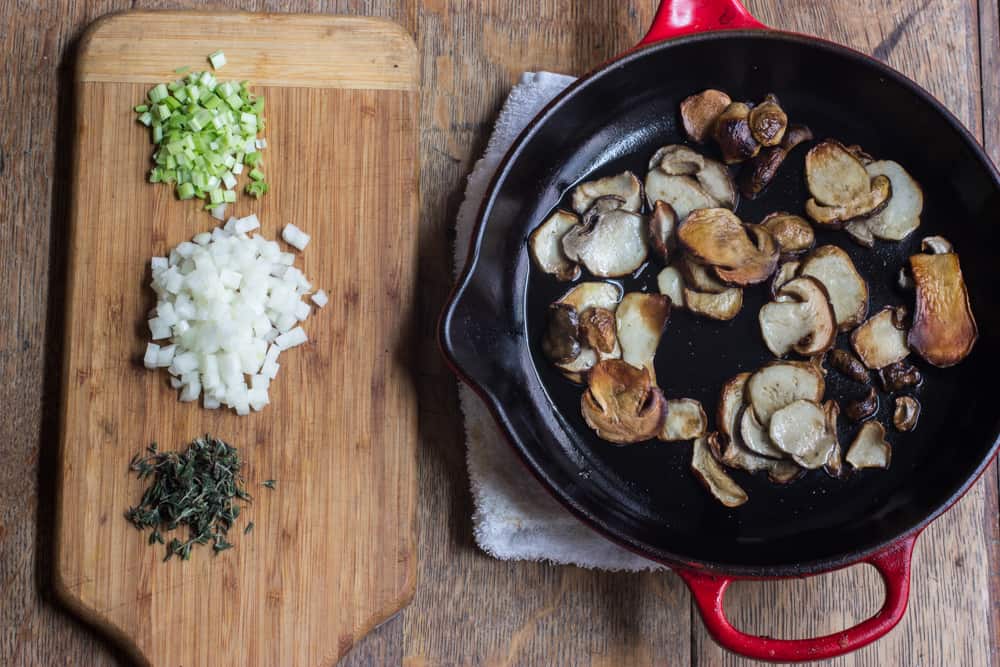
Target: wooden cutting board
x=332 y=553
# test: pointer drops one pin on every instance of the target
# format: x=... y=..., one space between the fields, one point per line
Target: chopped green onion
x=218 y=59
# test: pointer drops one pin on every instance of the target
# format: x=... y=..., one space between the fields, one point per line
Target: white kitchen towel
x=515 y=518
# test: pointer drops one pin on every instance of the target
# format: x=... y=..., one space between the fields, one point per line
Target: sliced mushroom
x=936 y=245
x=612 y=244
x=899 y=376
x=620 y=403
x=624 y=185
x=546 y=246
x=902 y=214
x=699 y=113
x=906 y=413
x=801 y=430
x=733 y=134
x=860 y=153
x=641 y=318
x=860 y=233
x=793 y=233
x=740 y=255
x=768 y=122
x=722 y=307
x=582 y=298
x=718 y=183
x=849 y=366
x=880 y=341
x=786 y=271
x=847 y=289
x=795 y=135
x=800 y=319
x=677 y=160
x=738 y=456
x=712 y=176
x=686 y=420
x=861 y=409
x=869 y=448
x=944 y=329
x=597 y=329
x=834 y=175
x=731 y=399
x=671 y=283
x=869 y=204
x=762 y=169
x=779 y=383
x=758 y=269
x=699 y=278
x=755 y=438
x=834 y=465
x=662 y=229
x=683 y=193
x=711 y=473
x=561 y=343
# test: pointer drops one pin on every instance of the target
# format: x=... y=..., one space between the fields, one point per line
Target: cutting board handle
x=675 y=18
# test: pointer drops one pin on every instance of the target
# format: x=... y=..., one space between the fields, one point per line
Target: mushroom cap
x=624 y=185
x=546 y=246
x=800 y=319
x=700 y=111
x=621 y=404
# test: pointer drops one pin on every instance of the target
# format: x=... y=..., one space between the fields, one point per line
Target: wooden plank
x=333 y=552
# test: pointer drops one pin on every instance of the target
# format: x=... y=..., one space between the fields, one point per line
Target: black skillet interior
x=645 y=495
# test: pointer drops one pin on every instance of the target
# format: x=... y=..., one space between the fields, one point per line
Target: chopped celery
x=185 y=191
x=218 y=59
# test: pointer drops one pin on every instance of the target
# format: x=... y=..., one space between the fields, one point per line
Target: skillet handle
x=893 y=563
x=684 y=17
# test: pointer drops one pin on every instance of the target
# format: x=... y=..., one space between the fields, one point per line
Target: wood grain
x=333 y=551
x=469 y=609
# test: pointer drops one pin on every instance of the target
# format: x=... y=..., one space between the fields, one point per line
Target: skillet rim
x=450 y=350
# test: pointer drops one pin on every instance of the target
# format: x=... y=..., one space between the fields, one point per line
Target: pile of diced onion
x=229 y=303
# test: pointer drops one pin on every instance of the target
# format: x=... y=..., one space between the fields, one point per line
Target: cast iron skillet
x=644 y=496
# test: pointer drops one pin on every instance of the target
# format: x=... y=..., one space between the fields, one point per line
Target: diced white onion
x=152 y=352
x=288 y=340
x=294 y=236
x=320 y=298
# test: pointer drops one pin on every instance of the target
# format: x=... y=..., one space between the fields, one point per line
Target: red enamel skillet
x=644 y=496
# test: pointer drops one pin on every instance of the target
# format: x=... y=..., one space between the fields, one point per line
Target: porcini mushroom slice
x=801 y=430
x=944 y=329
x=597 y=329
x=718 y=183
x=546 y=246
x=620 y=403
x=727 y=413
x=641 y=318
x=733 y=134
x=880 y=341
x=683 y=193
x=860 y=233
x=612 y=245
x=792 y=233
x=760 y=171
x=760 y=267
x=849 y=366
x=768 y=122
x=699 y=113
x=900 y=375
x=906 y=413
x=561 y=342
x=740 y=255
x=722 y=307
x=902 y=214
x=869 y=448
x=662 y=229
x=780 y=383
x=786 y=272
x=711 y=473
x=846 y=288
x=861 y=409
x=834 y=465
x=670 y=282
x=834 y=175
x=869 y=204
x=755 y=438
x=800 y=319
x=782 y=471
x=685 y=420
x=936 y=245
x=699 y=278
x=624 y=185
x=677 y=160
x=582 y=298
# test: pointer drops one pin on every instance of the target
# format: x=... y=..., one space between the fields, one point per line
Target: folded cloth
x=515 y=518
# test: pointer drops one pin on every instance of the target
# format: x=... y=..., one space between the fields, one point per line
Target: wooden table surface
x=470 y=609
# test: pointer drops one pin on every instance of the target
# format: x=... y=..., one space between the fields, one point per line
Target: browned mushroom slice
x=858 y=152
x=869 y=448
x=795 y=135
x=869 y=204
x=711 y=473
x=800 y=319
x=936 y=245
x=768 y=122
x=718 y=182
x=834 y=465
x=780 y=471
x=583 y=298
x=834 y=175
x=670 y=282
x=760 y=267
x=686 y=420
x=677 y=160
x=849 y=366
x=722 y=307
x=561 y=342
x=713 y=177
x=780 y=383
x=597 y=329
x=683 y=193
x=906 y=413
x=624 y=185
x=662 y=229
x=786 y=272
x=755 y=438
x=793 y=233
x=699 y=278
x=860 y=233
x=801 y=430
x=846 y=288
x=620 y=403
x=740 y=255
x=731 y=398
x=861 y=409
x=546 y=246
x=900 y=375
x=880 y=341
x=733 y=134
x=944 y=329
x=902 y=214
x=612 y=244
x=641 y=318
x=699 y=113
x=762 y=169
